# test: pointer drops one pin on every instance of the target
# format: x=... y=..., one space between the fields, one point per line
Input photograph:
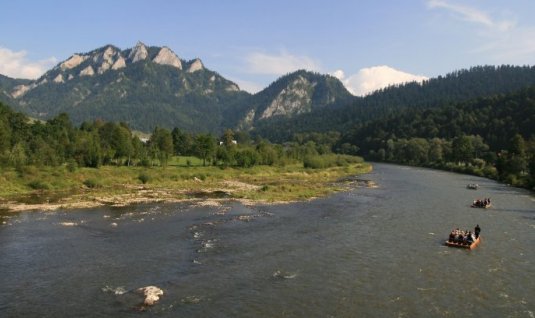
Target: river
x=366 y=252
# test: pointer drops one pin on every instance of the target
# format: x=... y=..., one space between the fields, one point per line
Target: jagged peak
x=88 y=71
x=138 y=53
x=139 y=44
x=120 y=63
x=73 y=61
x=166 y=56
x=196 y=65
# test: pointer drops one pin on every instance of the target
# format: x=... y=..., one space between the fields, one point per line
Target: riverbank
x=487 y=171
x=54 y=188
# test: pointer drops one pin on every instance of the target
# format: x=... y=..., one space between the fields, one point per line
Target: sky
x=367 y=44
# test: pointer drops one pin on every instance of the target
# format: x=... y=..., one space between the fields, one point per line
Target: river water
x=367 y=252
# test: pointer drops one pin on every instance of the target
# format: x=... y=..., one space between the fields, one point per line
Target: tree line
x=492 y=137
x=456 y=87
x=92 y=144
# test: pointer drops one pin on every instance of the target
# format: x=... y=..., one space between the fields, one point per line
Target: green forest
x=92 y=144
x=444 y=123
x=492 y=137
x=442 y=91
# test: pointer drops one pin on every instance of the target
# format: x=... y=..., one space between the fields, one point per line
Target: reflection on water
x=368 y=252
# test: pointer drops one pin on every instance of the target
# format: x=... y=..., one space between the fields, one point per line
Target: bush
x=72 y=165
x=39 y=185
x=247 y=158
x=511 y=179
x=331 y=160
x=490 y=172
x=144 y=178
x=92 y=183
x=27 y=171
x=315 y=162
x=145 y=162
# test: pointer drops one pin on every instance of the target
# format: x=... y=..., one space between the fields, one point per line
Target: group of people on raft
x=481 y=203
x=464 y=237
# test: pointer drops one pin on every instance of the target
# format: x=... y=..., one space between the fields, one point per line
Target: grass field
x=111 y=184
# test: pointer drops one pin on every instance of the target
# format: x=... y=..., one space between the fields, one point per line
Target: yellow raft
x=471 y=246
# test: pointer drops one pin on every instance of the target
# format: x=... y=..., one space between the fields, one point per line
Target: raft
x=471 y=246
x=481 y=206
x=472 y=186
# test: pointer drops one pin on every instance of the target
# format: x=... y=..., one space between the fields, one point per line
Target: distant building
x=234 y=142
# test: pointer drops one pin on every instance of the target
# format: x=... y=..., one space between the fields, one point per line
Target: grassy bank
x=31 y=187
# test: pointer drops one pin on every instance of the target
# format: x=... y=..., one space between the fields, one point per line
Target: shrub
x=144 y=178
x=92 y=183
x=314 y=162
x=331 y=160
x=145 y=162
x=490 y=172
x=39 y=185
x=72 y=165
x=27 y=171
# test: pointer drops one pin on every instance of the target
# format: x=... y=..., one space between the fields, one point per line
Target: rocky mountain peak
x=138 y=53
x=294 y=99
x=106 y=58
x=196 y=65
x=73 y=61
x=167 y=57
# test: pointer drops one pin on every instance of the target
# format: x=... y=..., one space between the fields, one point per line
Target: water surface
x=362 y=253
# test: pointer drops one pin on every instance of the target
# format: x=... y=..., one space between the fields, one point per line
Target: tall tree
x=162 y=140
x=204 y=147
x=462 y=148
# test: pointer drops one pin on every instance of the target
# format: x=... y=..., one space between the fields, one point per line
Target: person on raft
x=464 y=237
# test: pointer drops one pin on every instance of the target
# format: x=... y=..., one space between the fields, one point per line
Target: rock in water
x=152 y=294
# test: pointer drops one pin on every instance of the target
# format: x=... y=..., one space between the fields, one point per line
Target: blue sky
x=367 y=44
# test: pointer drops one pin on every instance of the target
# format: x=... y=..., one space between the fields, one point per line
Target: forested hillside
x=480 y=135
x=149 y=86
x=296 y=93
x=6 y=87
x=458 y=86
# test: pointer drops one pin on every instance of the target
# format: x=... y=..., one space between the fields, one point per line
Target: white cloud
x=466 y=13
x=16 y=65
x=339 y=74
x=279 y=64
x=370 y=79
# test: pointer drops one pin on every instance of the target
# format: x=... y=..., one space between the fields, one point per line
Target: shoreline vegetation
x=54 y=164
x=51 y=188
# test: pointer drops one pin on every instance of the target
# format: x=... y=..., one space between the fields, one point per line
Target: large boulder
x=152 y=294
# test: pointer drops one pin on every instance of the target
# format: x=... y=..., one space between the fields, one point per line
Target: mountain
x=459 y=86
x=151 y=86
x=142 y=86
x=297 y=93
x=7 y=85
